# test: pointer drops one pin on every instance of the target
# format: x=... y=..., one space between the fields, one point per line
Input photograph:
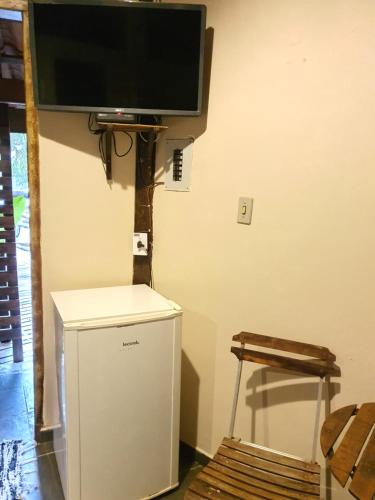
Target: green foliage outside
x=19 y=205
x=18 y=147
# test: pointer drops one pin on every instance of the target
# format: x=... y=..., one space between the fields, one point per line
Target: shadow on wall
x=264 y=398
x=198 y=380
x=71 y=130
x=189 y=400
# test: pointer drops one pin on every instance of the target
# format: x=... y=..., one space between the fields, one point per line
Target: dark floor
x=41 y=477
x=16 y=422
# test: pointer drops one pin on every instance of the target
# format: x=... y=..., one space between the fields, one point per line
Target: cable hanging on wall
x=107 y=138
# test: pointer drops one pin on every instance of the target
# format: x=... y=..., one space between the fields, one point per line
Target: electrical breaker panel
x=179 y=158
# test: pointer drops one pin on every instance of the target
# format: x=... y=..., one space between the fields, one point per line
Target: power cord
x=115 y=145
x=101 y=132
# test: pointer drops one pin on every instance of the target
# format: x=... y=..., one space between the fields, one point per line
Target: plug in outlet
x=140 y=244
x=179 y=158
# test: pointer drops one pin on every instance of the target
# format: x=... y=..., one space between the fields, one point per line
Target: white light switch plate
x=245 y=210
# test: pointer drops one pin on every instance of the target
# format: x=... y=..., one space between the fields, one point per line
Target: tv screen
x=141 y=58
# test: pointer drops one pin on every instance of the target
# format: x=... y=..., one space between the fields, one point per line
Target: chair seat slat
x=363 y=483
x=268 y=486
x=275 y=479
x=333 y=427
x=229 y=489
x=271 y=456
x=269 y=466
x=190 y=495
x=205 y=490
x=346 y=455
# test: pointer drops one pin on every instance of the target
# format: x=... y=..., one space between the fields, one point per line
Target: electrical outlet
x=140 y=244
x=245 y=210
x=178 y=162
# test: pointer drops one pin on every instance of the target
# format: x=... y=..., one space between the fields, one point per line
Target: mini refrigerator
x=118 y=353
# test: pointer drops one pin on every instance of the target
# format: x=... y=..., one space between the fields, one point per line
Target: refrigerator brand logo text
x=127 y=344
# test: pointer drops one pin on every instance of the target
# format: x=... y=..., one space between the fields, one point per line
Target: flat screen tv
x=111 y=56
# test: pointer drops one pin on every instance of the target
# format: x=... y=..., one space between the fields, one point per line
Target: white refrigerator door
x=129 y=409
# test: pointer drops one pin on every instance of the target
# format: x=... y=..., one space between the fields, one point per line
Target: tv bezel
x=122 y=4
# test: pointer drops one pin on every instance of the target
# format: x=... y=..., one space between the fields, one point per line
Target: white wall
x=290 y=123
x=86 y=224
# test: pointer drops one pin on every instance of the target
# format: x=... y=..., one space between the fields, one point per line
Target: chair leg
x=235 y=398
x=317 y=420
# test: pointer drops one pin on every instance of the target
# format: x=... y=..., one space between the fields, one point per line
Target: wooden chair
x=245 y=470
x=353 y=444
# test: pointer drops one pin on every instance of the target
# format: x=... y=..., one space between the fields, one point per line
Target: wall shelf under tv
x=132 y=127
x=125 y=127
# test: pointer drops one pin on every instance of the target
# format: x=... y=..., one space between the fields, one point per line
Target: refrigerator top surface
x=110 y=303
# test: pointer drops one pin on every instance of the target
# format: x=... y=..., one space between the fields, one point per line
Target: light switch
x=245 y=210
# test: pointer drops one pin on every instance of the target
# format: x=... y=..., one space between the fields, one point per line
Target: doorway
x=16 y=353
x=16 y=88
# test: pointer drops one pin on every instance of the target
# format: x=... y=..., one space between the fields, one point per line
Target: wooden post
x=32 y=126
x=144 y=189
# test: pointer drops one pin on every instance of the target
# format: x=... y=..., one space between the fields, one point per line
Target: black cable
x=101 y=147
x=101 y=132
x=90 y=125
x=101 y=150
x=115 y=145
x=97 y=131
